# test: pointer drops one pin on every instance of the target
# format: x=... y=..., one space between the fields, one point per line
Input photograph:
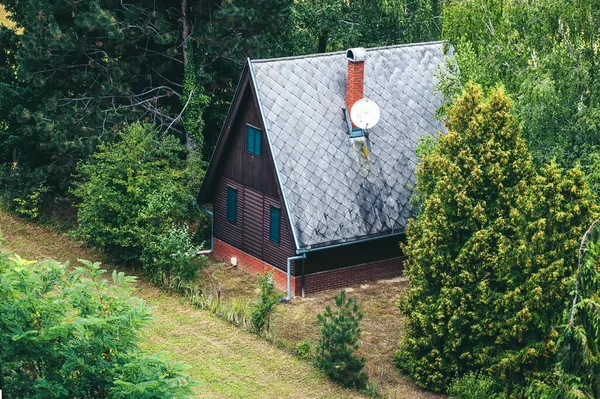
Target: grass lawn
x=296 y=321
x=228 y=362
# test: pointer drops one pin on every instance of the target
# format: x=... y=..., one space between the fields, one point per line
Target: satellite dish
x=365 y=113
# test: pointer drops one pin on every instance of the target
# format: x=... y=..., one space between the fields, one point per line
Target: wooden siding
x=353 y=254
x=252 y=171
x=224 y=229
x=253 y=220
x=255 y=179
x=273 y=253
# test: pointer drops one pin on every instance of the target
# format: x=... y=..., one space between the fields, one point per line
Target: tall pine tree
x=490 y=254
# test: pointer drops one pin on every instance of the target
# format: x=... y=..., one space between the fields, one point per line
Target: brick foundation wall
x=331 y=279
x=248 y=263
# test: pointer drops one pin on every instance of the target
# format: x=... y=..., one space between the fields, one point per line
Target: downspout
x=212 y=233
x=289 y=276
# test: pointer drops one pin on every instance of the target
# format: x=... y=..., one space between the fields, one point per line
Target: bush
x=75 y=336
x=170 y=258
x=335 y=352
x=472 y=386
x=261 y=315
x=304 y=349
x=134 y=200
x=491 y=253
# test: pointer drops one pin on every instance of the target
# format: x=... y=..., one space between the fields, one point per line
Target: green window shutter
x=253 y=141
x=250 y=140
x=275 y=224
x=231 y=204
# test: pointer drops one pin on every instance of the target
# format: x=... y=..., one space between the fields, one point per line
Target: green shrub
x=335 y=352
x=269 y=297
x=170 y=258
x=304 y=349
x=490 y=255
x=134 y=199
x=75 y=336
x=472 y=386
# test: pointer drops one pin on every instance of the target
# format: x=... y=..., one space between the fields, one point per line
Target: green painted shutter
x=250 y=140
x=253 y=141
x=231 y=205
x=257 y=142
x=275 y=224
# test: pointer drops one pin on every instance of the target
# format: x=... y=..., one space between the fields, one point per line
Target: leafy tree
x=545 y=54
x=335 y=351
x=82 y=71
x=321 y=25
x=76 y=335
x=490 y=254
x=134 y=199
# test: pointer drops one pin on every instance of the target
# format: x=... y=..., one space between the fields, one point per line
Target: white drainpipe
x=289 y=276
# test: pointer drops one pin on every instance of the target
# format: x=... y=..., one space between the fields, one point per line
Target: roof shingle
x=333 y=193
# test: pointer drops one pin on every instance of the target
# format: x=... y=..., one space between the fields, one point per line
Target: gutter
x=304 y=251
x=289 y=276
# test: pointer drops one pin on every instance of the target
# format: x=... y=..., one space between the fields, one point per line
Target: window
x=231 y=204
x=253 y=142
x=275 y=224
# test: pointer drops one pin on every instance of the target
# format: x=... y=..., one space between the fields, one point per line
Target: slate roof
x=333 y=193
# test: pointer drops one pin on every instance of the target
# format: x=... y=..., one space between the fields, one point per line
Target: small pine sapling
x=340 y=332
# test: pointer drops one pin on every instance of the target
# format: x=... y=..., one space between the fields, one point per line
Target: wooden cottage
x=297 y=189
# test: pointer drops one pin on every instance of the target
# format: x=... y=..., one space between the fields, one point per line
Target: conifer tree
x=490 y=254
x=336 y=348
x=577 y=373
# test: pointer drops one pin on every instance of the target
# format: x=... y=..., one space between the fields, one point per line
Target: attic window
x=253 y=141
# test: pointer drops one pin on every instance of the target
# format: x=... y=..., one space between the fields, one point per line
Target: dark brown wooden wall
x=240 y=165
x=353 y=254
x=254 y=178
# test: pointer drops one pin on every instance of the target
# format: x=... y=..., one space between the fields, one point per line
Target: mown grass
x=296 y=321
x=228 y=362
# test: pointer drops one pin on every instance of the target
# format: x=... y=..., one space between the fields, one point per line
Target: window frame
x=271 y=231
x=252 y=133
x=232 y=218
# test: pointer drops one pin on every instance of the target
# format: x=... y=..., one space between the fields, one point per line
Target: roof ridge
x=317 y=55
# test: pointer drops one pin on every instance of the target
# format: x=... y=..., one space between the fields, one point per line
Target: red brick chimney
x=355 y=81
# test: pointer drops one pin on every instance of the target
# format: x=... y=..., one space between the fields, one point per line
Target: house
x=298 y=189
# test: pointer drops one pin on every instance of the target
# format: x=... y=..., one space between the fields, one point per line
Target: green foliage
x=169 y=257
x=340 y=332
x=82 y=70
x=545 y=53
x=304 y=349
x=134 y=200
x=490 y=254
x=325 y=25
x=577 y=374
x=472 y=386
x=269 y=297
x=76 y=335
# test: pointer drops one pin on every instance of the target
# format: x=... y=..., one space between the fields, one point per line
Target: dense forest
x=111 y=109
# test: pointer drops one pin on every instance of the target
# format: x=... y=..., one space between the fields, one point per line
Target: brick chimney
x=355 y=81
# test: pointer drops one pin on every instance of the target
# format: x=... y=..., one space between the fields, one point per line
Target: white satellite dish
x=365 y=113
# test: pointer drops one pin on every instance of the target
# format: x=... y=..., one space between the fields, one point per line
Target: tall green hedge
x=490 y=254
